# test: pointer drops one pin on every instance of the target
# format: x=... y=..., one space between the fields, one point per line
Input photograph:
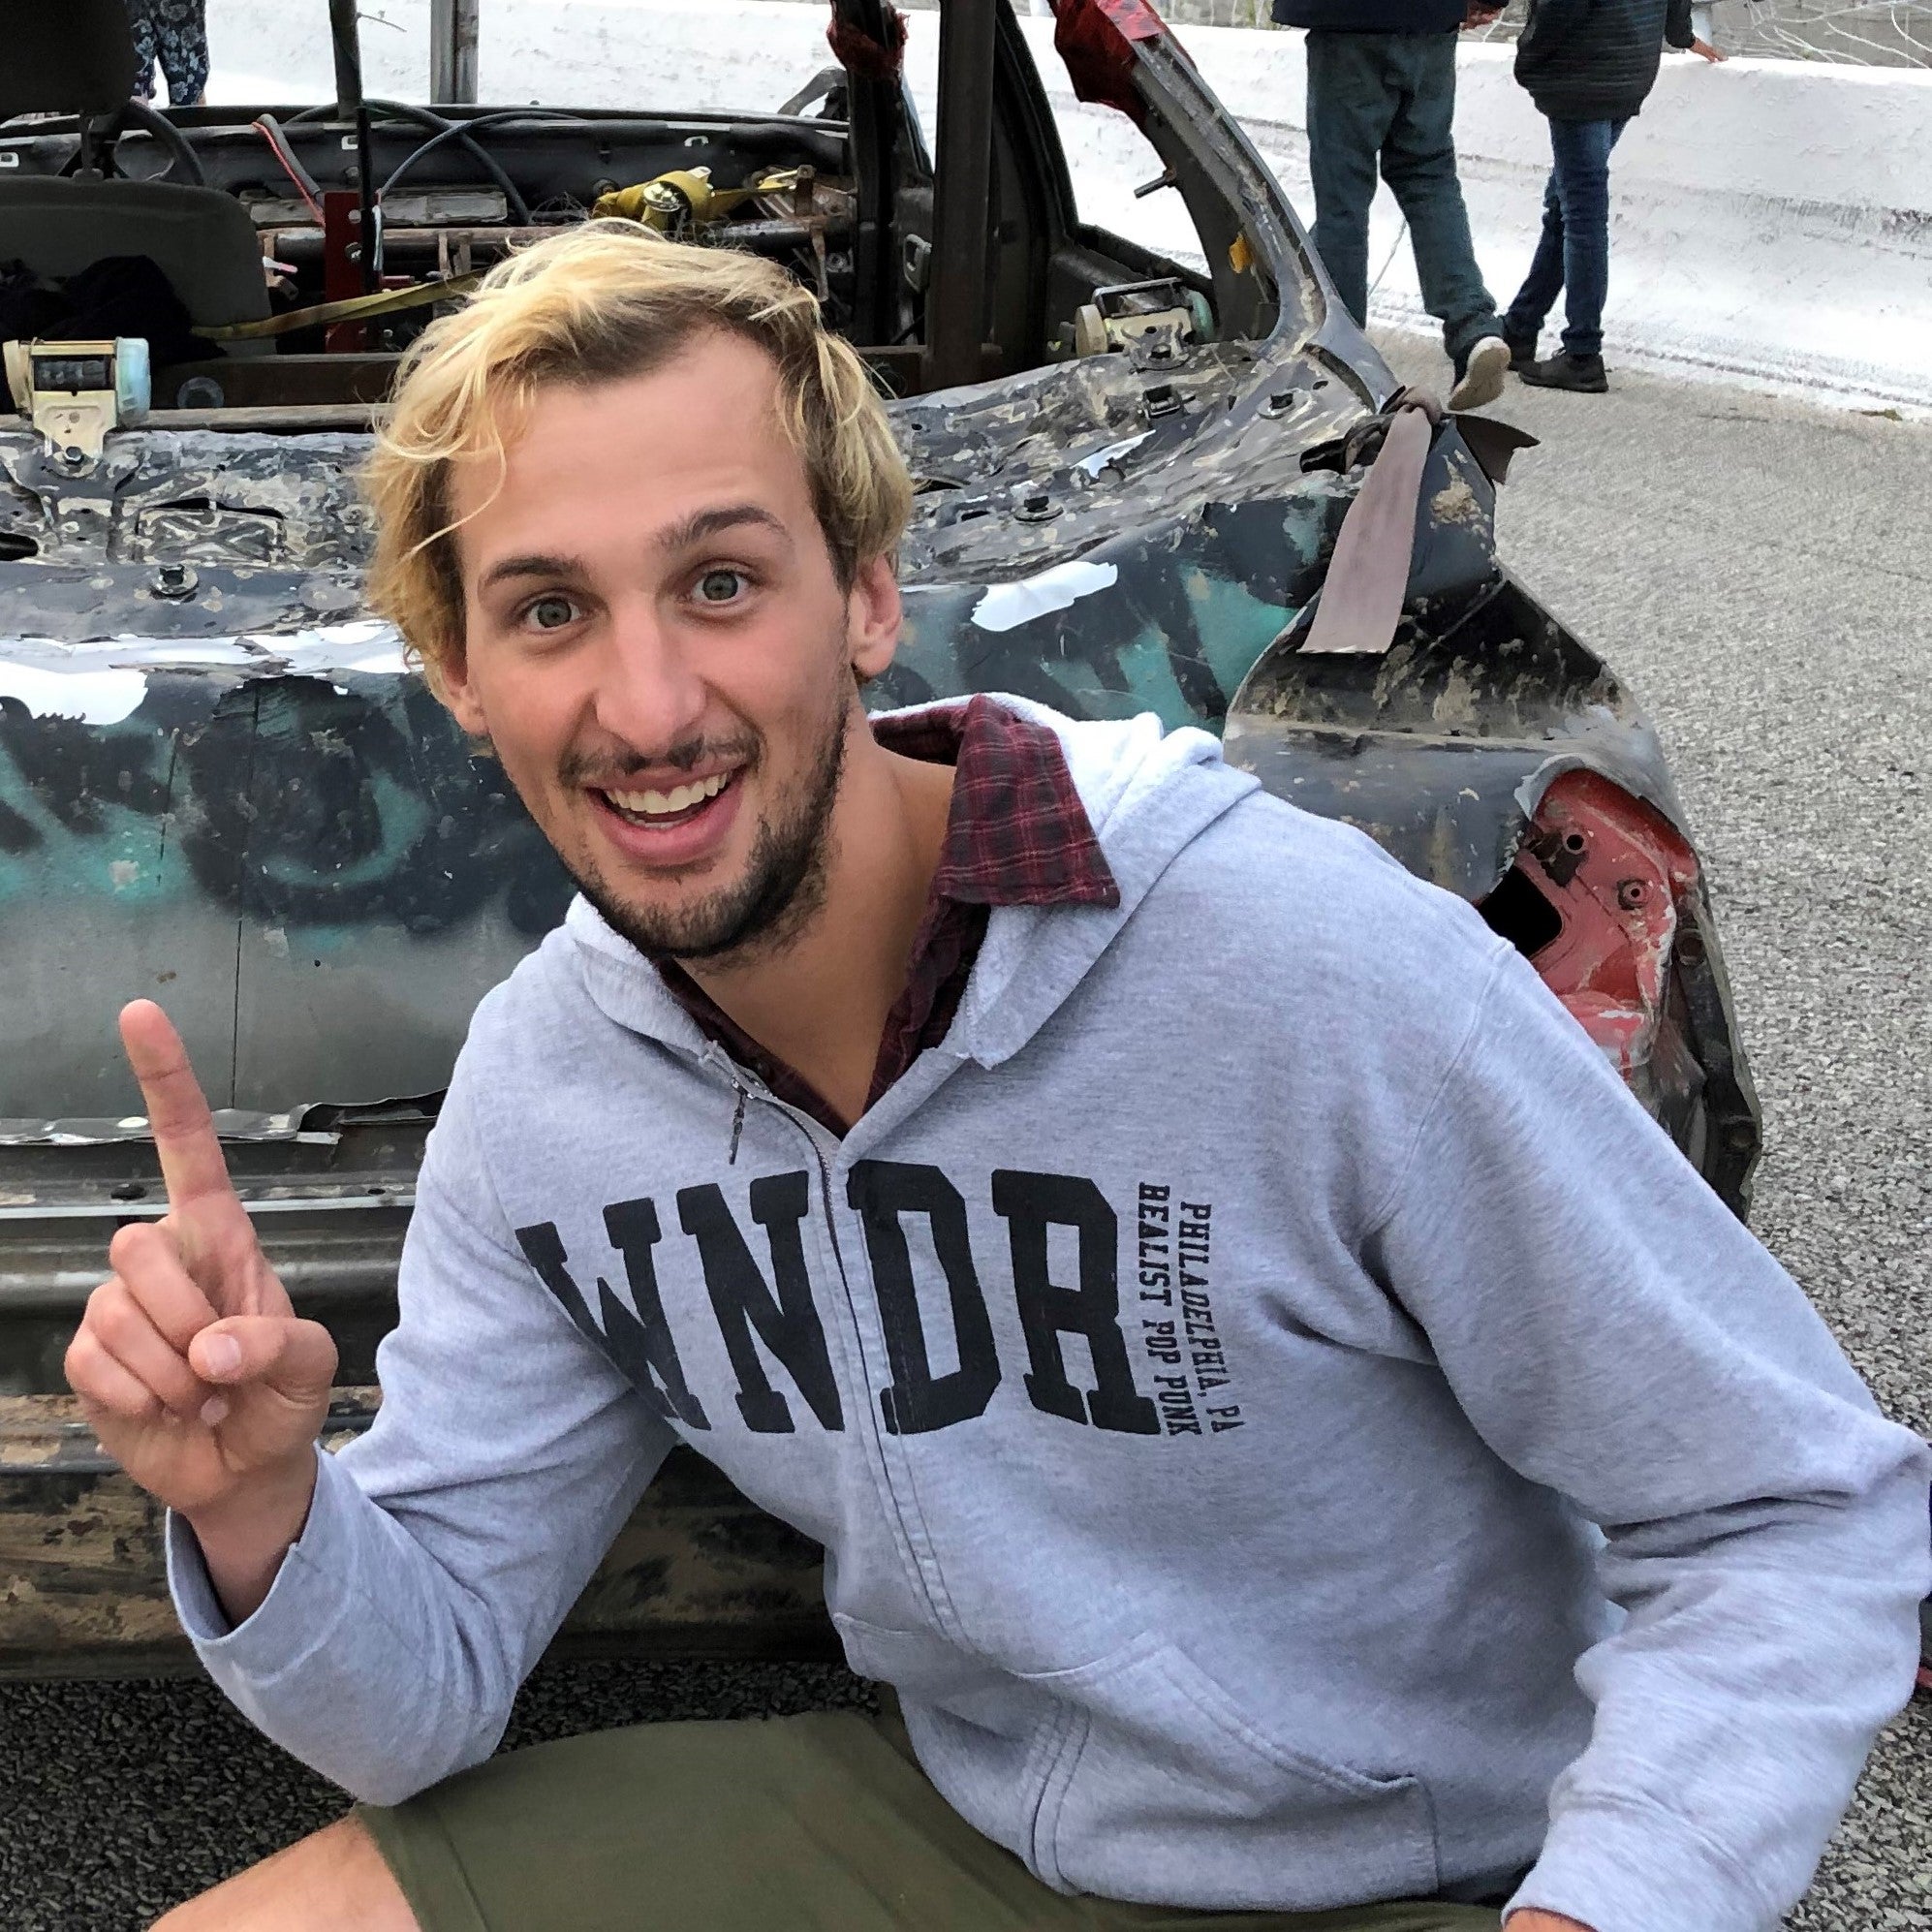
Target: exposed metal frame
x=955 y=306
x=452 y=51
x=346 y=43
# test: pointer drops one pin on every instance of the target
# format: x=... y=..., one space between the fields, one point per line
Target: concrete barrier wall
x=1771 y=220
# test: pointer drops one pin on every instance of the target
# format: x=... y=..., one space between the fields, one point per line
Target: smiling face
x=658 y=646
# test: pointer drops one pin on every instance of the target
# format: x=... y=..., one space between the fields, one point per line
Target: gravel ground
x=1761 y=573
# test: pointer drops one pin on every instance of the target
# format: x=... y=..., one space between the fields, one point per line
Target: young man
x=1382 y=92
x=1589 y=65
x=1302 y=1443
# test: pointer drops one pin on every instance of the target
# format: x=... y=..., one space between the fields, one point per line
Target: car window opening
x=252 y=218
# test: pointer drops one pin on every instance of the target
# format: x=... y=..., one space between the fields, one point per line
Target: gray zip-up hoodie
x=1290 y=1425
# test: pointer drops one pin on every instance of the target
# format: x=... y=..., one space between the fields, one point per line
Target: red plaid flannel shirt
x=1017 y=835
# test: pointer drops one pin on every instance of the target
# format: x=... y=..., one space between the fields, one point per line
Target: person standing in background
x=176 y=33
x=1588 y=66
x=1381 y=93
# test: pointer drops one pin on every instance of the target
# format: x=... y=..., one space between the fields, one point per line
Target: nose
x=648 y=692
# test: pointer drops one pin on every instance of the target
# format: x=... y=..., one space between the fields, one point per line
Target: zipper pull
x=738 y=1124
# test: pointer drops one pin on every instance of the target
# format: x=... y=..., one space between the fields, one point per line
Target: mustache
x=599 y=770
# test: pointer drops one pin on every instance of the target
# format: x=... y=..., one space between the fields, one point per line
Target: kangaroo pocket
x=1164 y=1792
x=984 y=1736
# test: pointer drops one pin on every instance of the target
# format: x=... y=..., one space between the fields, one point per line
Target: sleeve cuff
x=1634 y=1867
x=303 y=1604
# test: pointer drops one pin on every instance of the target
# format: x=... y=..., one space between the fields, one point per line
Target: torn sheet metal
x=1109 y=455
x=104 y=681
x=288 y=840
x=1441 y=749
x=86 y=696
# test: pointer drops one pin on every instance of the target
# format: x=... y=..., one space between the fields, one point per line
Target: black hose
x=285 y=153
x=460 y=133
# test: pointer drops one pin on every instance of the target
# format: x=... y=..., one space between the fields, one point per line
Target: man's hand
x=1708 y=51
x=1543 y=1921
x=190 y=1363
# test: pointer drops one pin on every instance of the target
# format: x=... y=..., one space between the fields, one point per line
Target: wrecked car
x=220 y=784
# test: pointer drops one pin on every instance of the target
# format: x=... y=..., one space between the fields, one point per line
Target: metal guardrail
x=1864 y=32
x=1860 y=33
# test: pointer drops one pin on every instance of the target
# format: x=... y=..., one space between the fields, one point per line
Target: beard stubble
x=783 y=884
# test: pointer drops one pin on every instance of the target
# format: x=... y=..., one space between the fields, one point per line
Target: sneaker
x=1522 y=351
x=1583 y=373
x=1480 y=379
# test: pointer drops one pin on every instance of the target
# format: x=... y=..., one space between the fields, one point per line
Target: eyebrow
x=530 y=566
x=703 y=523
x=681 y=536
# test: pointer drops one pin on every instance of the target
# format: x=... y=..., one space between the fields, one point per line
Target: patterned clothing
x=1017 y=835
x=176 y=33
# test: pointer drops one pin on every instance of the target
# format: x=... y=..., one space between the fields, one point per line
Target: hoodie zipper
x=748 y=1089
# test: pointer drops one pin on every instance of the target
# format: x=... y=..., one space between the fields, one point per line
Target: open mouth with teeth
x=661 y=810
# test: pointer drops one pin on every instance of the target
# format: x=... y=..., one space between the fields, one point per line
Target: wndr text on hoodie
x=1292 y=1428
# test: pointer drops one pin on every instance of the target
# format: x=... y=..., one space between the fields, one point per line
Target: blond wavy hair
x=596 y=304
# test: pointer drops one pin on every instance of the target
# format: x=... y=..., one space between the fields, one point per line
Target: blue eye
x=551 y=613
x=720 y=586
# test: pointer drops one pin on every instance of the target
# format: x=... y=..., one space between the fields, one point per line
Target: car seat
x=77 y=57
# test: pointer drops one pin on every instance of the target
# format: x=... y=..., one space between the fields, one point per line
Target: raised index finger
x=177 y=1110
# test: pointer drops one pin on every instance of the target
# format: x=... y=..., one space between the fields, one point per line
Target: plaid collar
x=1017 y=834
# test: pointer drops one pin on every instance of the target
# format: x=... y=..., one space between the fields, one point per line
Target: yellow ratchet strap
x=668 y=202
x=356 y=308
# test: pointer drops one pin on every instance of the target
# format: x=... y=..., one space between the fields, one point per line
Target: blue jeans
x=1389 y=99
x=1574 y=250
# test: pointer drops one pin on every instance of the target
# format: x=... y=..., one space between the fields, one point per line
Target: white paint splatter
x=371 y=648
x=101 y=681
x=1112 y=454
x=1006 y=605
x=93 y=697
x=123 y=872
x=196 y=655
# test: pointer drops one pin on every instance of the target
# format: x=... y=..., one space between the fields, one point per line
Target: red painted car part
x=1612 y=872
x=342 y=267
x=1095 y=39
x=864 y=58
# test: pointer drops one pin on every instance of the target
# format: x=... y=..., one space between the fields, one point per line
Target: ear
x=873 y=616
x=460 y=695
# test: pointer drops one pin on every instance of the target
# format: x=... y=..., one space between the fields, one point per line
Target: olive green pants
x=818 y=1823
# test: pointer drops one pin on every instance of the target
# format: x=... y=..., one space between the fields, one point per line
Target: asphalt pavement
x=1762 y=573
